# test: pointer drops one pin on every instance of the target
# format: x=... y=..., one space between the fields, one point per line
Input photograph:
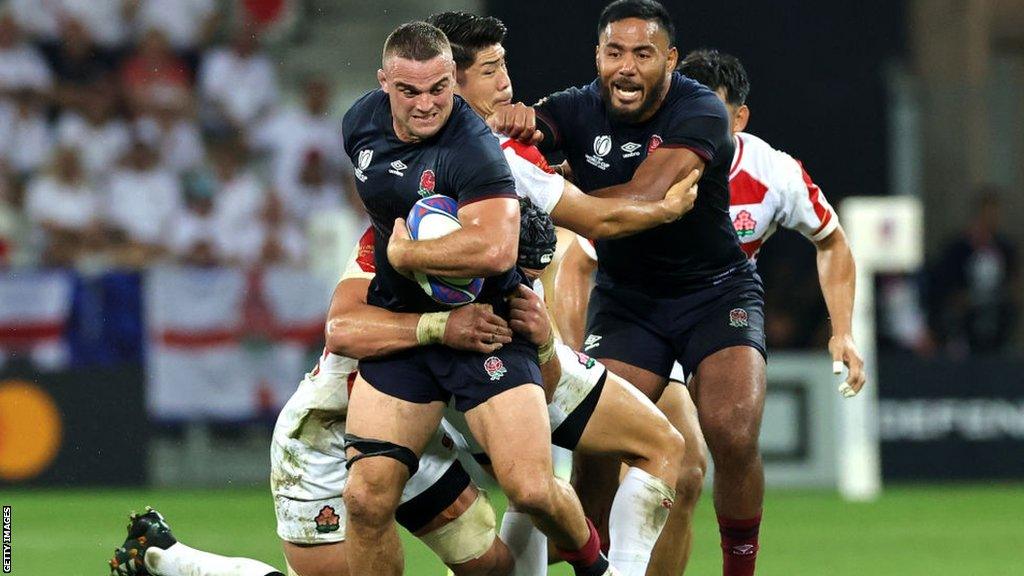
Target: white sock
x=180 y=560
x=638 y=514
x=528 y=545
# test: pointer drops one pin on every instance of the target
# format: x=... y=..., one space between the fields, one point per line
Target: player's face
x=421 y=94
x=634 y=62
x=486 y=84
x=738 y=115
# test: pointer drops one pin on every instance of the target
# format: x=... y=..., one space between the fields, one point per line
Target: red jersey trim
x=739 y=157
x=528 y=152
x=699 y=152
x=751 y=248
x=745 y=189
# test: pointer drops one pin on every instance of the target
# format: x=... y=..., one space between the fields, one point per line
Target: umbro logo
x=592 y=341
x=398 y=168
x=630 y=149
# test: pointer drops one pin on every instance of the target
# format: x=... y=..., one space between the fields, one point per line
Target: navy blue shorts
x=430 y=373
x=651 y=333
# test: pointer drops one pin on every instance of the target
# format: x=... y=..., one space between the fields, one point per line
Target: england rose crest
x=738 y=318
x=654 y=143
x=495 y=368
x=427 y=183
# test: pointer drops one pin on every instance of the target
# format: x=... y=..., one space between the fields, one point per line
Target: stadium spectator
x=294 y=130
x=271 y=239
x=976 y=283
x=95 y=130
x=65 y=210
x=142 y=200
x=196 y=237
x=314 y=192
x=13 y=225
x=26 y=139
x=240 y=193
x=237 y=85
x=176 y=136
x=154 y=76
x=104 y=20
x=187 y=24
x=22 y=66
x=77 y=62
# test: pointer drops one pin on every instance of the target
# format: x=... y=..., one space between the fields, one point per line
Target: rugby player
x=440 y=505
x=484 y=82
x=768 y=189
x=683 y=291
x=412 y=138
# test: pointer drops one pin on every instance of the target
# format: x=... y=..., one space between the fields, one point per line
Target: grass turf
x=910 y=531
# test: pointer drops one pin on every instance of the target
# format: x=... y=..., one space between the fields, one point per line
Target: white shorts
x=307 y=463
x=571 y=406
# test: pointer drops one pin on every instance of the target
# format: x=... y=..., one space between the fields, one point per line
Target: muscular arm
x=486 y=245
x=359 y=330
x=612 y=217
x=837 y=274
x=655 y=175
x=572 y=289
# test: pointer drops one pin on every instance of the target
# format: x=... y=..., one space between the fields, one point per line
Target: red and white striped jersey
x=534 y=178
x=769 y=188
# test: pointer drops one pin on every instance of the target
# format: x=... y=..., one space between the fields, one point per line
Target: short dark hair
x=642 y=9
x=469 y=33
x=417 y=41
x=717 y=70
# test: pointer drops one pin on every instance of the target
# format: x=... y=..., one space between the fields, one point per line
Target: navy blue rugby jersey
x=697 y=250
x=462 y=161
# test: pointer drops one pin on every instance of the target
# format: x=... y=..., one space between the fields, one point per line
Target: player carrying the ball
x=414 y=126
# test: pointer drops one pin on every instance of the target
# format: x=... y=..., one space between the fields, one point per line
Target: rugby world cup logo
x=363 y=161
x=495 y=368
x=602 y=145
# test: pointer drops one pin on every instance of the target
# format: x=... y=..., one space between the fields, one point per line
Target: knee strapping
x=370 y=447
x=467 y=537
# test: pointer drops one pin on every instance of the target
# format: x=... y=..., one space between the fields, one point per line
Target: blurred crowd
x=136 y=131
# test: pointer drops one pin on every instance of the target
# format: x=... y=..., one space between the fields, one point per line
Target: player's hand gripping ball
x=433 y=217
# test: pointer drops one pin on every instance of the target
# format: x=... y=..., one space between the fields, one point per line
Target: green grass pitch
x=936 y=530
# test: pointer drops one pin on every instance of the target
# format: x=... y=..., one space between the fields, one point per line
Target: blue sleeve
x=555 y=114
x=699 y=123
x=477 y=169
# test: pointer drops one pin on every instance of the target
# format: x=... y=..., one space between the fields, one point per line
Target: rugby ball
x=433 y=217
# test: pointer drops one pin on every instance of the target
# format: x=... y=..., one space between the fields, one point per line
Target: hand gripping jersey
x=462 y=161
x=769 y=188
x=696 y=251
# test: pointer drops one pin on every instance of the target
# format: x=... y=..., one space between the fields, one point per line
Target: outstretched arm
x=486 y=245
x=612 y=217
x=837 y=274
x=656 y=174
x=572 y=294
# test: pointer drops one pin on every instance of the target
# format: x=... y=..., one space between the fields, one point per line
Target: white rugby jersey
x=534 y=178
x=767 y=189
